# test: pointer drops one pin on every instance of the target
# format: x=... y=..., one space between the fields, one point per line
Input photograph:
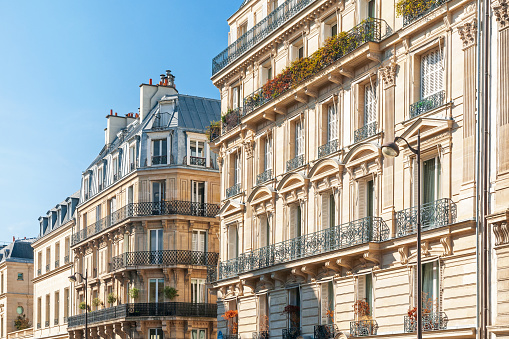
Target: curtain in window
x=429 y=171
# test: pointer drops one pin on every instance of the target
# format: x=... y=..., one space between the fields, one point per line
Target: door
x=430 y=191
x=198 y=198
x=156 y=333
x=155 y=295
x=199 y=247
x=198 y=291
x=156 y=246
x=158 y=190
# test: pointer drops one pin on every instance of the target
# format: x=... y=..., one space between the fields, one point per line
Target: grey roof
x=244 y=3
x=197 y=112
x=19 y=251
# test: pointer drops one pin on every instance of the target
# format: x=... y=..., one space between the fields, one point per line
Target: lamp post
x=391 y=150
x=72 y=278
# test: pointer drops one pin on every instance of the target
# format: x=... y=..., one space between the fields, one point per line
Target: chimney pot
x=111 y=112
x=115 y=113
x=150 y=81
x=13 y=238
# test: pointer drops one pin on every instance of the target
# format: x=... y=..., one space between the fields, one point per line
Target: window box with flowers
x=365 y=325
x=412 y=10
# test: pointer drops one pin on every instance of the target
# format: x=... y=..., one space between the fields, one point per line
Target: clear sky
x=64 y=64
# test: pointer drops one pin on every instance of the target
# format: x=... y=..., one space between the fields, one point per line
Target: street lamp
x=72 y=278
x=391 y=150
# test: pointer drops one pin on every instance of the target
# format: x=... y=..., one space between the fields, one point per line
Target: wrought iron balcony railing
x=46 y=323
x=147 y=209
x=231 y=336
x=38 y=325
x=55 y=321
x=291 y=333
x=362 y=231
x=365 y=132
x=416 y=15
x=47 y=268
x=329 y=148
x=294 y=163
x=232 y=119
x=159 y=160
x=66 y=259
x=260 y=31
x=264 y=176
x=430 y=322
x=435 y=214
x=325 y=331
x=363 y=328
x=39 y=271
x=197 y=161
x=261 y=335
x=57 y=263
x=232 y=191
x=137 y=310
x=370 y=30
x=167 y=257
x=427 y=104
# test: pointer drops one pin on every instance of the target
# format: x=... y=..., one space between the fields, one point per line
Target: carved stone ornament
x=248 y=146
x=388 y=74
x=501 y=232
x=501 y=12
x=468 y=33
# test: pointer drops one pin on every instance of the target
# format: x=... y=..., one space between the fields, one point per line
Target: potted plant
x=170 y=292
x=293 y=316
x=230 y=317
x=111 y=298
x=362 y=311
x=21 y=322
x=83 y=306
x=134 y=293
x=213 y=130
x=427 y=310
x=97 y=302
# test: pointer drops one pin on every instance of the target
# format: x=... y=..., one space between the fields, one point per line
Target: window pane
x=429 y=181
x=164 y=147
x=152 y=291
x=157 y=148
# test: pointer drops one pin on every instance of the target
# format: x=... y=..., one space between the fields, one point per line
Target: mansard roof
x=18 y=251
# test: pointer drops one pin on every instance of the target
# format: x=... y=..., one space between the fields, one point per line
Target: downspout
x=477 y=162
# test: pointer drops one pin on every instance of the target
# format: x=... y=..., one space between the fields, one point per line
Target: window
x=86 y=188
x=332 y=123
x=155 y=290
x=431 y=180
x=327 y=303
x=46 y=320
x=294 y=299
x=371 y=9
x=299 y=138
x=67 y=250
x=1 y=326
x=236 y=97
x=197 y=153
x=20 y=276
x=48 y=258
x=365 y=290
x=159 y=152
x=267 y=156
x=100 y=178
x=66 y=304
x=115 y=169
x=297 y=50
x=295 y=221
x=130 y=194
x=199 y=241
x=158 y=191
x=328 y=210
x=366 y=200
x=198 y=334
x=39 y=312
x=112 y=205
x=198 y=291
x=334 y=29
x=263 y=314
x=156 y=333
x=132 y=157
x=233 y=242
x=369 y=103
x=242 y=29
x=431 y=73
x=57 y=307
x=266 y=72
x=236 y=168
x=430 y=285
x=156 y=240
x=263 y=236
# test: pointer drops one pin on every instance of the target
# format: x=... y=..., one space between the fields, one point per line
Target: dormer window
x=197 y=153
x=132 y=157
x=86 y=188
x=116 y=174
x=159 y=147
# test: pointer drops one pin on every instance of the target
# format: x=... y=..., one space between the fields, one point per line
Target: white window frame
x=432 y=73
x=332 y=123
x=199 y=241
x=198 y=291
x=299 y=137
x=370 y=103
x=267 y=146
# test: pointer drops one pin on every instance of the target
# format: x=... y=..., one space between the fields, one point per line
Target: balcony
x=55 y=321
x=138 y=310
x=329 y=148
x=363 y=328
x=159 y=160
x=365 y=132
x=362 y=231
x=38 y=325
x=264 y=177
x=167 y=258
x=172 y=207
x=232 y=119
x=198 y=161
x=371 y=30
x=232 y=191
x=261 y=335
x=260 y=31
x=294 y=163
x=46 y=323
x=430 y=322
x=417 y=14
x=435 y=214
x=325 y=331
x=231 y=336
x=427 y=104
x=39 y=272
x=291 y=333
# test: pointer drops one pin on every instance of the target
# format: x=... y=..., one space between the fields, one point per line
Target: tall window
x=130 y=194
x=198 y=291
x=155 y=290
x=158 y=191
x=263 y=314
x=236 y=97
x=263 y=236
x=233 y=242
x=115 y=168
x=39 y=311
x=431 y=182
x=369 y=103
x=159 y=152
x=100 y=177
x=267 y=161
x=332 y=123
x=327 y=303
x=295 y=221
x=236 y=168
x=112 y=209
x=431 y=73
x=328 y=210
x=2 y=283
x=197 y=151
x=57 y=307
x=266 y=72
x=365 y=290
x=366 y=200
x=371 y=9
x=299 y=138
x=46 y=320
x=156 y=333
x=199 y=241
x=430 y=285
x=294 y=299
x=67 y=304
x=156 y=240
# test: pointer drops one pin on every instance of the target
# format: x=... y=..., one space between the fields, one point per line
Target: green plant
x=21 y=322
x=412 y=8
x=111 y=298
x=213 y=129
x=170 y=292
x=82 y=306
x=134 y=293
x=97 y=302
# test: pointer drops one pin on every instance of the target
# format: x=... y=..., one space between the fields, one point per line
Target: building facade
x=317 y=227
x=16 y=292
x=146 y=233
x=52 y=268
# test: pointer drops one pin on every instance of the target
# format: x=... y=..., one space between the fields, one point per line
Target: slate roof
x=18 y=251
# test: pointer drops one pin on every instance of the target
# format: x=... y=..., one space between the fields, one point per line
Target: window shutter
x=332 y=210
x=201 y=243
x=324 y=302
x=293 y=222
x=262 y=231
x=415 y=182
x=325 y=211
x=361 y=201
x=414 y=285
x=369 y=104
x=262 y=313
x=431 y=73
x=361 y=287
x=232 y=242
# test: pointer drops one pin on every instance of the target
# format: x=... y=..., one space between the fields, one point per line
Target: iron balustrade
x=260 y=31
x=365 y=132
x=47 y=268
x=159 y=160
x=428 y=7
x=231 y=336
x=434 y=214
x=363 y=328
x=294 y=163
x=427 y=104
x=232 y=119
x=39 y=272
x=198 y=161
x=46 y=323
x=325 y=331
x=66 y=259
x=211 y=274
x=362 y=231
x=430 y=322
x=147 y=209
x=57 y=263
x=261 y=335
x=55 y=321
x=136 y=310
x=38 y=325
x=215 y=132
x=264 y=176
x=234 y=190
x=370 y=30
x=166 y=257
x=328 y=148
x=65 y=320
x=291 y=333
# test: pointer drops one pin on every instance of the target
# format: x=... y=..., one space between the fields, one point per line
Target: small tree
x=134 y=293
x=21 y=322
x=170 y=292
x=111 y=298
x=97 y=302
x=82 y=306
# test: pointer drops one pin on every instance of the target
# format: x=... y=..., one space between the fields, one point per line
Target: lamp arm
x=410 y=147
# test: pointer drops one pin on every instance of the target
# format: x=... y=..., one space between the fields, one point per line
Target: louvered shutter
x=232 y=242
x=293 y=222
x=361 y=287
x=325 y=211
x=195 y=241
x=361 y=200
x=262 y=231
x=324 y=302
x=202 y=236
x=431 y=73
x=369 y=104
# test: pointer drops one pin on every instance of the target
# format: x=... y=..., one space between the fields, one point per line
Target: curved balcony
x=232 y=191
x=294 y=163
x=139 y=310
x=172 y=207
x=166 y=258
x=427 y=104
x=363 y=328
x=264 y=177
x=328 y=148
x=362 y=231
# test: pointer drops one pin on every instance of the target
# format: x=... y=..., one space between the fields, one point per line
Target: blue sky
x=65 y=64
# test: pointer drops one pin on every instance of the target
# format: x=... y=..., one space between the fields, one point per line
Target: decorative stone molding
x=425 y=248
x=501 y=232
x=403 y=255
x=388 y=74
x=446 y=243
x=501 y=12
x=345 y=262
x=372 y=257
x=468 y=33
x=248 y=146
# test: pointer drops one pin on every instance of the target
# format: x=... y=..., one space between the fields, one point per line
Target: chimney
x=13 y=238
x=171 y=78
x=114 y=124
x=150 y=95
